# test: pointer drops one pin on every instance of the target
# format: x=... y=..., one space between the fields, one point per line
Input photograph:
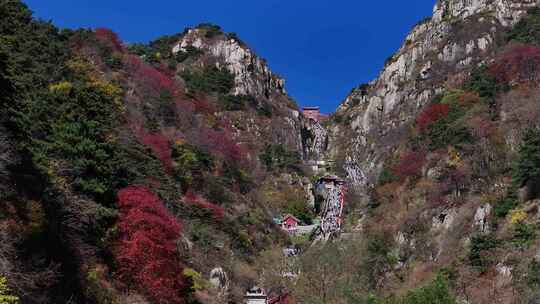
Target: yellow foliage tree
x=199 y=283
x=61 y=87
x=517 y=216
x=5 y=293
x=454 y=157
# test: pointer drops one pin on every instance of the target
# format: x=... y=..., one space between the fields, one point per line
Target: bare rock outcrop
x=438 y=53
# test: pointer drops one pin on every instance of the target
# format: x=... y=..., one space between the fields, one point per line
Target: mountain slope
x=138 y=173
x=158 y=172
x=438 y=54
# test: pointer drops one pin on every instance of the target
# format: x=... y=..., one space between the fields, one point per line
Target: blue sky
x=322 y=48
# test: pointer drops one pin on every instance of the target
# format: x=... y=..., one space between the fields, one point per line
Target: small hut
x=256 y=295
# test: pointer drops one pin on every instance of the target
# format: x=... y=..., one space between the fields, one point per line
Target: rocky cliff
x=251 y=73
x=437 y=54
x=158 y=173
x=252 y=79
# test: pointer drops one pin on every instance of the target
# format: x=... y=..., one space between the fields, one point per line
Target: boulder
x=219 y=279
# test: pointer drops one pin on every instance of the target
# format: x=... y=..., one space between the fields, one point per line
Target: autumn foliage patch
x=431 y=115
x=410 y=164
x=146 y=251
x=161 y=147
x=519 y=64
x=150 y=80
x=221 y=143
x=109 y=38
x=217 y=212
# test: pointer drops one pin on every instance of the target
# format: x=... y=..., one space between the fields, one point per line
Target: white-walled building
x=256 y=295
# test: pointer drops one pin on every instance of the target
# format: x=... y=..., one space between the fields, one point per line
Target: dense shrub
x=528 y=163
x=410 y=164
x=480 y=251
x=197 y=281
x=277 y=157
x=162 y=46
x=161 y=147
x=387 y=176
x=301 y=211
x=503 y=206
x=265 y=109
x=436 y=291
x=73 y=122
x=518 y=64
x=221 y=144
x=142 y=50
x=97 y=287
x=483 y=83
x=216 y=190
x=237 y=177
x=189 y=52
x=237 y=102
x=210 y=79
x=203 y=234
x=5 y=84
x=431 y=115
x=108 y=45
x=110 y=38
x=203 y=208
x=379 y=258
x=157 y=50
x=146 y=252
x=527 y=30
x=210 y=30
x=533 y=274
x=35 y=50
x=523 y=234
x=150 y=81
x=445 y=131
x=190 y=162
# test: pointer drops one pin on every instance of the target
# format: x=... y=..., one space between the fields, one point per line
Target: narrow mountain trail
x=331 y=211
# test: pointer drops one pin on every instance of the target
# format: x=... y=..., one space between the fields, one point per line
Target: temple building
x=256 y=295
x=312 y=113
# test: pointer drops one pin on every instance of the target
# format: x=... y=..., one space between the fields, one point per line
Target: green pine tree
x=528 y=164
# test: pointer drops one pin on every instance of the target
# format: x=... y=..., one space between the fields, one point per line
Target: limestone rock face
x=444 y=220
x=506 y=12
x=481 y=218
x=219 y=279
x=437 y=54
x=252 y=75
x=315 y=138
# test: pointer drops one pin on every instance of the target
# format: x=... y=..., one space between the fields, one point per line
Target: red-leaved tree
x=160 y=145
x=410 y=164
x=202 y=105
x=146 y=251
x=109 y=38
x=437 y=195
x=149 y=80
x=216 y=211
x=221 y=143
x=430 y=115
x=518 y=64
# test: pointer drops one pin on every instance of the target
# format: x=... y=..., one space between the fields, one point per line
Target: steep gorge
x=154 y=173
